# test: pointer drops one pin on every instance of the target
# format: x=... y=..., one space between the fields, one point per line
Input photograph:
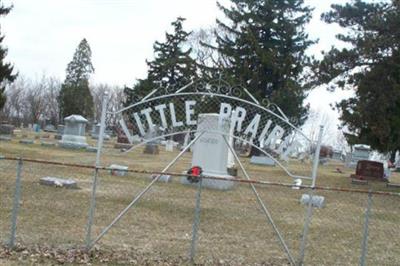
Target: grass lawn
x=233 y=229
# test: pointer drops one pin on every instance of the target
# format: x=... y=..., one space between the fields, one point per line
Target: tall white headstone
x=210 y=151
x=74 y=132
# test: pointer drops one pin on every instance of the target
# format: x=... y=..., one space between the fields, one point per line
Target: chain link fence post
x=17 y=196
x=196 y=222
x=364 y=244
x=96 y=173
x=309 y=207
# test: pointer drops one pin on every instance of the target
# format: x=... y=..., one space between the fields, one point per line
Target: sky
x=42 y=35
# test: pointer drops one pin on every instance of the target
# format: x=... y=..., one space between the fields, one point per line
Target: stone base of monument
x=73 y=142
x=151 y=149
x=212 y=183
x=262 y=160
x=26 y=141
x=58 y=182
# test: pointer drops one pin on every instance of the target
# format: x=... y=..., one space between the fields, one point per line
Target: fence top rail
x=238 y=180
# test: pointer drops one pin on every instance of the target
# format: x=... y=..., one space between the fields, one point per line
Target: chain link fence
x=231 y=226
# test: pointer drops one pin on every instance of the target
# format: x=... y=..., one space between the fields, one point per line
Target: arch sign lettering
x=261 y=127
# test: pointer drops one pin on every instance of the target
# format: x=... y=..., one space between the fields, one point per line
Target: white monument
x=210 y=151
x=74 y=132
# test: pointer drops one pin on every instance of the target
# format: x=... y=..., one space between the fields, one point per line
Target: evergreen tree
x=263 y=48
x=370 y=66
x=6 y=69
x=172 y=66
x=75 y=96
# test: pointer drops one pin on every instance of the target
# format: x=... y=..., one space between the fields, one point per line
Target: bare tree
x=205 y=49
x=30 y=101
x=13 y=110
x=52 y=91
x=115 y=101
x=35 y=101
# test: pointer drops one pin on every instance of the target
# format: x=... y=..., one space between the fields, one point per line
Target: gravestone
x=5 y=138
x=6 y=130
x=74 y=132
x=118 y=170
x=360 y=152
x=122 y=140
x=47 y=144
x=96 y=132
x=369 y=170
x=169 y=146
x=262 y=160
x=50 y=128
x=316 y=201
x=151 y=146
x=58 y=182
x=337 y=155
x=60 y=132
x=210 y=152
x=91 y=149
x=36 y=127
x=26 y=141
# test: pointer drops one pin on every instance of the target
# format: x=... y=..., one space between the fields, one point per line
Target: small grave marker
x=118 y=170
x=262 y=160
x=316 y=201
x=47 y=144
x=58 y=182
x=26 y=141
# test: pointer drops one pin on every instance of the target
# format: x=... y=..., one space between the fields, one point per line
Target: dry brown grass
x=233 y=229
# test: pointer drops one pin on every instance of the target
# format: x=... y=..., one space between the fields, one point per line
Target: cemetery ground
x=233 y=230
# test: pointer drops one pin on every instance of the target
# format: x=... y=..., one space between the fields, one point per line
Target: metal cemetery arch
x=167 y=113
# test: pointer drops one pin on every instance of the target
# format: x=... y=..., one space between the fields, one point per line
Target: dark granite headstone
x=369 y=170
